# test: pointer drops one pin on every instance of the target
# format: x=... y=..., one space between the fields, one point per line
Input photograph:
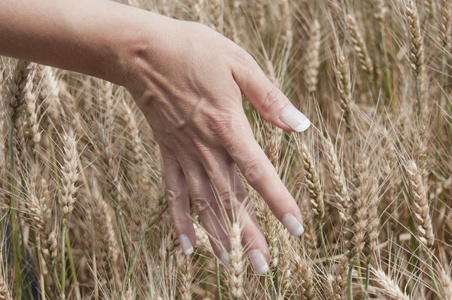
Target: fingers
x=178 y=201
x=204 y=201
x=262 y=176
x=268 y=99
x=233 y=199
x=228 y=196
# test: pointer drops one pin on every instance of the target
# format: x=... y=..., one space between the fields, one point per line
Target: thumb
x=271 y=103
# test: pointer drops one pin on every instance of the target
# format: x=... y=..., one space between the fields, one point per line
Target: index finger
x=262 y=176
x=270 y=101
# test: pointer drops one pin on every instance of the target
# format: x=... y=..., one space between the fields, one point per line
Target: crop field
x=82 y=198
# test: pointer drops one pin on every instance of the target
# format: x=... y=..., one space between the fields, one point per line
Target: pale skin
x=188 y=81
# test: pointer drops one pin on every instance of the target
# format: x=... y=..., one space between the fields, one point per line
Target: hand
x=189 y=85
x=188 y=80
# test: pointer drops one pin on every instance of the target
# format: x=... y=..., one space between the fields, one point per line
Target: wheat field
x=82 y=200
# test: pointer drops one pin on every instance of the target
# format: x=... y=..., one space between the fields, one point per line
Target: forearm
x=97 y=38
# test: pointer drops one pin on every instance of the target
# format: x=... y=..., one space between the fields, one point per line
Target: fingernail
x=224 y=258
x=185 y=244
x=258 y=262
x=295 y=118
x=292 y=224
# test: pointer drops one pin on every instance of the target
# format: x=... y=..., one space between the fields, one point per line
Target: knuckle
x=231 y=201
x=254 y=173
x=227 y=201
x=244 y=60
x=201 y=205
x=174 y=197
x=223 y=125
x=272 y=98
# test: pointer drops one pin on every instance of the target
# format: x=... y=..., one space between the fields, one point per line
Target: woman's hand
x=188 y=81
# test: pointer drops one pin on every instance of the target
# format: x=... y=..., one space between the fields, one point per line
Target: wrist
x=153 y=44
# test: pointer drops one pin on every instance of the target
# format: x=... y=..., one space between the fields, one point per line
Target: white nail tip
x=299 y=231
x=262 y=270
x=292 y=224
x=303 y=126
x=258 y=262
x=295 y=118
x=185 y=244
x=189 y=251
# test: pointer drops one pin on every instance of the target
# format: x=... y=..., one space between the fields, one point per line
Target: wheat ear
x=420 y=208
x=357 y=214
x=106 y=242
x=69 y=172
x=237 y=264
x=338 y=178
x=389 y=286
x=313 y=57
x=344 y=87
x=32 y=122
x=392 y=177
x=198 y=11
x=4 y=290
x=445 y=24
x=234 y=21
x=446 y=284
x=261 y=15
x=359 y=45
x=312 y=180
x=186 y=271
x=287 y=22
x=217 y=15
x=303 y=269
x=416 y=50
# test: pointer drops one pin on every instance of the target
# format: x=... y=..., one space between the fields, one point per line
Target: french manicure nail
x=185 y=244
x=258 y=262
x=224 y=258
x=292 y=224
x=295 y=118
